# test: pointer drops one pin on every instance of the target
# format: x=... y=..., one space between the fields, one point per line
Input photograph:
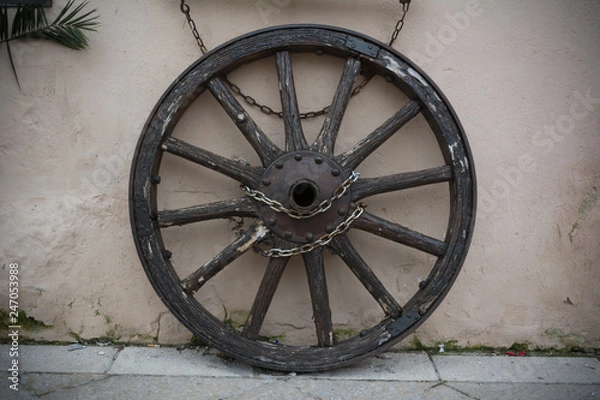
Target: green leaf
x=30 y=22
x=12 y=64
x=3 y=23
x=4 y=33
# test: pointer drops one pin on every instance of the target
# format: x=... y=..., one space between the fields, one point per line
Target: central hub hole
x=304 y=194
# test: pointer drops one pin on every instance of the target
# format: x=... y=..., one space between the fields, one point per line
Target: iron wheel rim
x=333 y=41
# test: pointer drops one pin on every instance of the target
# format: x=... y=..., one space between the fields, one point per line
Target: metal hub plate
x=301 y=180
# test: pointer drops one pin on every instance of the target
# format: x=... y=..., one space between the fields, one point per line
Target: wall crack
x=585 y=207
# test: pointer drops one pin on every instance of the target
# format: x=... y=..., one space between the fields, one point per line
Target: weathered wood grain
x=241 y=207
x=400 y=234
x=266 y=291
x=264 y=147
x=368 y=187
x=353 y=157
x=198 y=278
x=294 y=136
x=245 y=175
x=366 y=276
x=317 y=283
x=325 y=142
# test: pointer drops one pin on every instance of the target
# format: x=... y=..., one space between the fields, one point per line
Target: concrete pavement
x=97 y=372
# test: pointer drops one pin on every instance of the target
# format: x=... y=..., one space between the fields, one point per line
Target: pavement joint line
x=114 y=358
x=68 y=387
x=435 y=368
x=460 y=391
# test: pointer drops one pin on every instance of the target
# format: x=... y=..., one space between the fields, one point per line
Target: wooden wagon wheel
x=283 y=193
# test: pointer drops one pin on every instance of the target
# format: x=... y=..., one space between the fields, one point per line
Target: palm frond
x=12 y=63
x=3 y=23
x=28 y=18
x=30 y=22
x=4 y=34
x=67 y=28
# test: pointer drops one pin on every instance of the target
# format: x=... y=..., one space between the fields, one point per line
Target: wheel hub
x=304 y=195
x=301 y=180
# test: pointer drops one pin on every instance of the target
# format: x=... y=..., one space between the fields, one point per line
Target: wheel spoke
x=294 y=137
x=352 y=158
x=244 y=175
x=372 y=186
x=366 y=276
x=263 y=299
x=315 y=270
x=196 y=280
x=400 y=234
x=325 y=142
x=267 y=151
x=241 y=207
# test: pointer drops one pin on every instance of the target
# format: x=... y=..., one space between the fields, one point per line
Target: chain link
x=300 y=214
x=265 y=109
x=268 y=110
x=322 y=241
x=186 y=10
x=400 y=22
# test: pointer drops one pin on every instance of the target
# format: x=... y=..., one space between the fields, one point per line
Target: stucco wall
x=524 y=77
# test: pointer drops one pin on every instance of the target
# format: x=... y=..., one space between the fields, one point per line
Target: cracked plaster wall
x=522 y=76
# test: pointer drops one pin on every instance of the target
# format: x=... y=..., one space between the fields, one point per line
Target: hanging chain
x=268 y=110
x=185 y=9
x=397 y=29
x=400 y=22
x=299 y=214
x=322 y=241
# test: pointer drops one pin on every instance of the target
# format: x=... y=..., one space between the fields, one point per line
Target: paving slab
x=90 y=360
x=404 y=367
x=278 y=390
x=518 y=369
x=95 y=372
x=360 y=390
x=44 y=383
x=595 y=395
x=173 y=362
x=8 y=394
x=158 y=388
x=527 y=391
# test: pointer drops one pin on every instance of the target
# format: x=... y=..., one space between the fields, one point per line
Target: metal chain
x=265 y=109
x=268 y=110
x=186 y=10
x=400 y=22
x=300 y=214
x=322 y=241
